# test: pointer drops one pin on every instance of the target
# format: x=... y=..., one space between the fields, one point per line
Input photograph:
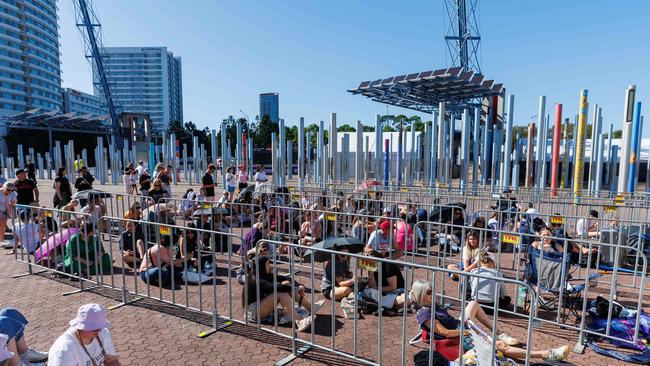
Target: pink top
x=404 y=235
x=243 y=176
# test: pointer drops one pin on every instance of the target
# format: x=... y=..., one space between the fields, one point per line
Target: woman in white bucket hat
x=86 y=342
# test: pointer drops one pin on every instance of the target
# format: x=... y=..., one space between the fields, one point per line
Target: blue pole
x=634 y=150
x=399 y=161
x=386 y=162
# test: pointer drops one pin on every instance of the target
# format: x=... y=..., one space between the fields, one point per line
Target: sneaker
x=7 y=244
x=557 y=354
x=32 y=355
x=304 y=324
x=316 y=306
x=510 y=341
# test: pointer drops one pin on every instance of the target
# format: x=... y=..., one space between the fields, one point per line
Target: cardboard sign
x=330 y=217
x=510 y=238
x=367 y=264
x=619 y=199
x=165 y=230
x=610 y=209
x=557 y=220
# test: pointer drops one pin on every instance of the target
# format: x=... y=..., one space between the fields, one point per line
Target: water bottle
x=521 y=297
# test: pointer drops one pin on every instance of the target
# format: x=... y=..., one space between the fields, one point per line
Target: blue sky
x=311 y=52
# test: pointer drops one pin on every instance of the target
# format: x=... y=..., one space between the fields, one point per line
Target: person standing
x=230 y=182
x=31 y=170
x=242 y=177
x=208 y=184
x=26 y=189
x=7 y=207
x=84 y=180
x=145 y=182
x=62 y=189
x=86 y=342
x=140 y=168
x=166 y=178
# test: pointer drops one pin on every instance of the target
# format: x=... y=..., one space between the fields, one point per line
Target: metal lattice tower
x=90 y=30
x=462 y=34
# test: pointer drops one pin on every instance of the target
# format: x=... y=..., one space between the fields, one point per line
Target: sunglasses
x=11 y=190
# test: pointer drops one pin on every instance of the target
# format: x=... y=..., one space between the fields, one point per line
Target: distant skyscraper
x=30 y=69
x=270 y=104
x=78 y=101
x=144 y=80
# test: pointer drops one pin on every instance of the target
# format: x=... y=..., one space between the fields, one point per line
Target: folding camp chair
x=550 y=273
x=485 y=354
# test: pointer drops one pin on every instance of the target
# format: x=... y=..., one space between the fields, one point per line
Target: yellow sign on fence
x=619 y=199
x=331 y=217
x=557 y=220
x=367 y=264
x=404 y=189
x=207 y=205
x=119 y=198
x=165 y=230
x=610 y=209
x=510 y=238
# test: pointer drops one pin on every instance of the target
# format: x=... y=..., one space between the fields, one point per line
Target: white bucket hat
x=90 y=317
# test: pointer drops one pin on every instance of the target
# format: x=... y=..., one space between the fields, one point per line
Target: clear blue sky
x=311 y=52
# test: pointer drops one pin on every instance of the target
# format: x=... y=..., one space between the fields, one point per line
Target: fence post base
x=292 y=356
x=27 y=274
x=579 y=348
x=209 y=332
x=117 y=306
x=78 y=291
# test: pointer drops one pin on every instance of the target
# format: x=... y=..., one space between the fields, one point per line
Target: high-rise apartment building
x=144 y=80
x=270 y=104
x=30 y=72
x=77 y=101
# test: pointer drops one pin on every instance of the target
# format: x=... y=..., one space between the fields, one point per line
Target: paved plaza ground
x=151 y=332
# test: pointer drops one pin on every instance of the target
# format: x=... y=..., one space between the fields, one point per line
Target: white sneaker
x=304 y=324
x=510 y=341
x=316 y=306
x=7 y=244
x=33 y=355
x=557 y=354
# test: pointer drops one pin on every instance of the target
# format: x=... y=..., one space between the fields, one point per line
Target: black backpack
x=422 y=359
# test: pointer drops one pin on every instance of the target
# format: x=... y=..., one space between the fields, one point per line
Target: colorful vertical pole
x=301 y=151
x=386 y=162
x=624 y=169
x=529 y=156
x=578 y=169
x=634 y=147
x=555 y=159
x=434 y=139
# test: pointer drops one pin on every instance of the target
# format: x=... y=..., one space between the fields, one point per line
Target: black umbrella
x=84 y=195
x=243 y=192
x=354 y=245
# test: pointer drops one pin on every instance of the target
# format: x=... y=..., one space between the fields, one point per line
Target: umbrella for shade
x=365 y=185
x=243 y=192
x=47 y=248
x=354 y=245
x=84 y=195
x=210 y=211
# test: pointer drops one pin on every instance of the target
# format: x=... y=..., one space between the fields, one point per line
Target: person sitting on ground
x=27 y=234
x=305 y=235
x=263 y=302
x=157 y=192
x=262 y=249
x=531 y=212
x=190 y=248
x=258 y=231
x=588 y=227
x=159 y=262
x=404 y=239
x=132 y=239
x=96 y=208
x=469 y=255
x=380 y=239
x=85 y=254
x=188 y=204
x=392 y=285
x=338 y=281
x=494 y=228
x=7 y=206
x=362 y=226
x=446 y=326
x=12 y=336
x=484 y=290
x=68 y=218
x=86 y=342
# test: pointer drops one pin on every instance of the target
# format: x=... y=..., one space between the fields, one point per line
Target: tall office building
x=144 y=80
x=270 y=104
x=30 y=69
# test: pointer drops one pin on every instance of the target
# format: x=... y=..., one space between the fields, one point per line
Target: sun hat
x=4 y=352
x=90 y=317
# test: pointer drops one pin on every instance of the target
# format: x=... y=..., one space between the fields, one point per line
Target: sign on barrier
x=619 y=200
x=557 y=220
x=331 y=217
x=510 y=238
x=610 y=209
x=165 y=230
x=367 y=264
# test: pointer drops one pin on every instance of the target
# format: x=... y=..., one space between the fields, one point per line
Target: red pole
x=555 y=163
x=243 y=140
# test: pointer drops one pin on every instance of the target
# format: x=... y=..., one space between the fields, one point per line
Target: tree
x=346 y=128
x=365 y=128
x=262 y=134
x=417 y=123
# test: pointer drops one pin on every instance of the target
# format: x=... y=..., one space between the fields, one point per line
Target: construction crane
x=462 y=34
x=90 y=30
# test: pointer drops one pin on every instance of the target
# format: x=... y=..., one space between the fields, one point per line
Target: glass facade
x=80 y=102
x=270 y=104
x=30 y=72
x=144 y=80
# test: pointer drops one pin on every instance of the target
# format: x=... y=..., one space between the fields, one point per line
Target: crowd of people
x=387 y=230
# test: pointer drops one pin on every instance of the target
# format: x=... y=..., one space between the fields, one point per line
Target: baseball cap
x=385 y=225
x=4 y=352
x=90 y=317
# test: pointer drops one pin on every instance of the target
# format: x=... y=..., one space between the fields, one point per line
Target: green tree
x=346 y=128
x=262 y=134
x=365 y=128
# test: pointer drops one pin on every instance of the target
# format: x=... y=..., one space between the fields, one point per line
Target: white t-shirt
x=68 y=351
x=379 y=242
x=532 y=214
x=230 y=179
x=95 y=215
x=29 y=235
x=260 y=177
x=139 y=169
x=6 y=200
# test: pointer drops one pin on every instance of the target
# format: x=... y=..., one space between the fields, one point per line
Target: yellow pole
x=578 y=169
